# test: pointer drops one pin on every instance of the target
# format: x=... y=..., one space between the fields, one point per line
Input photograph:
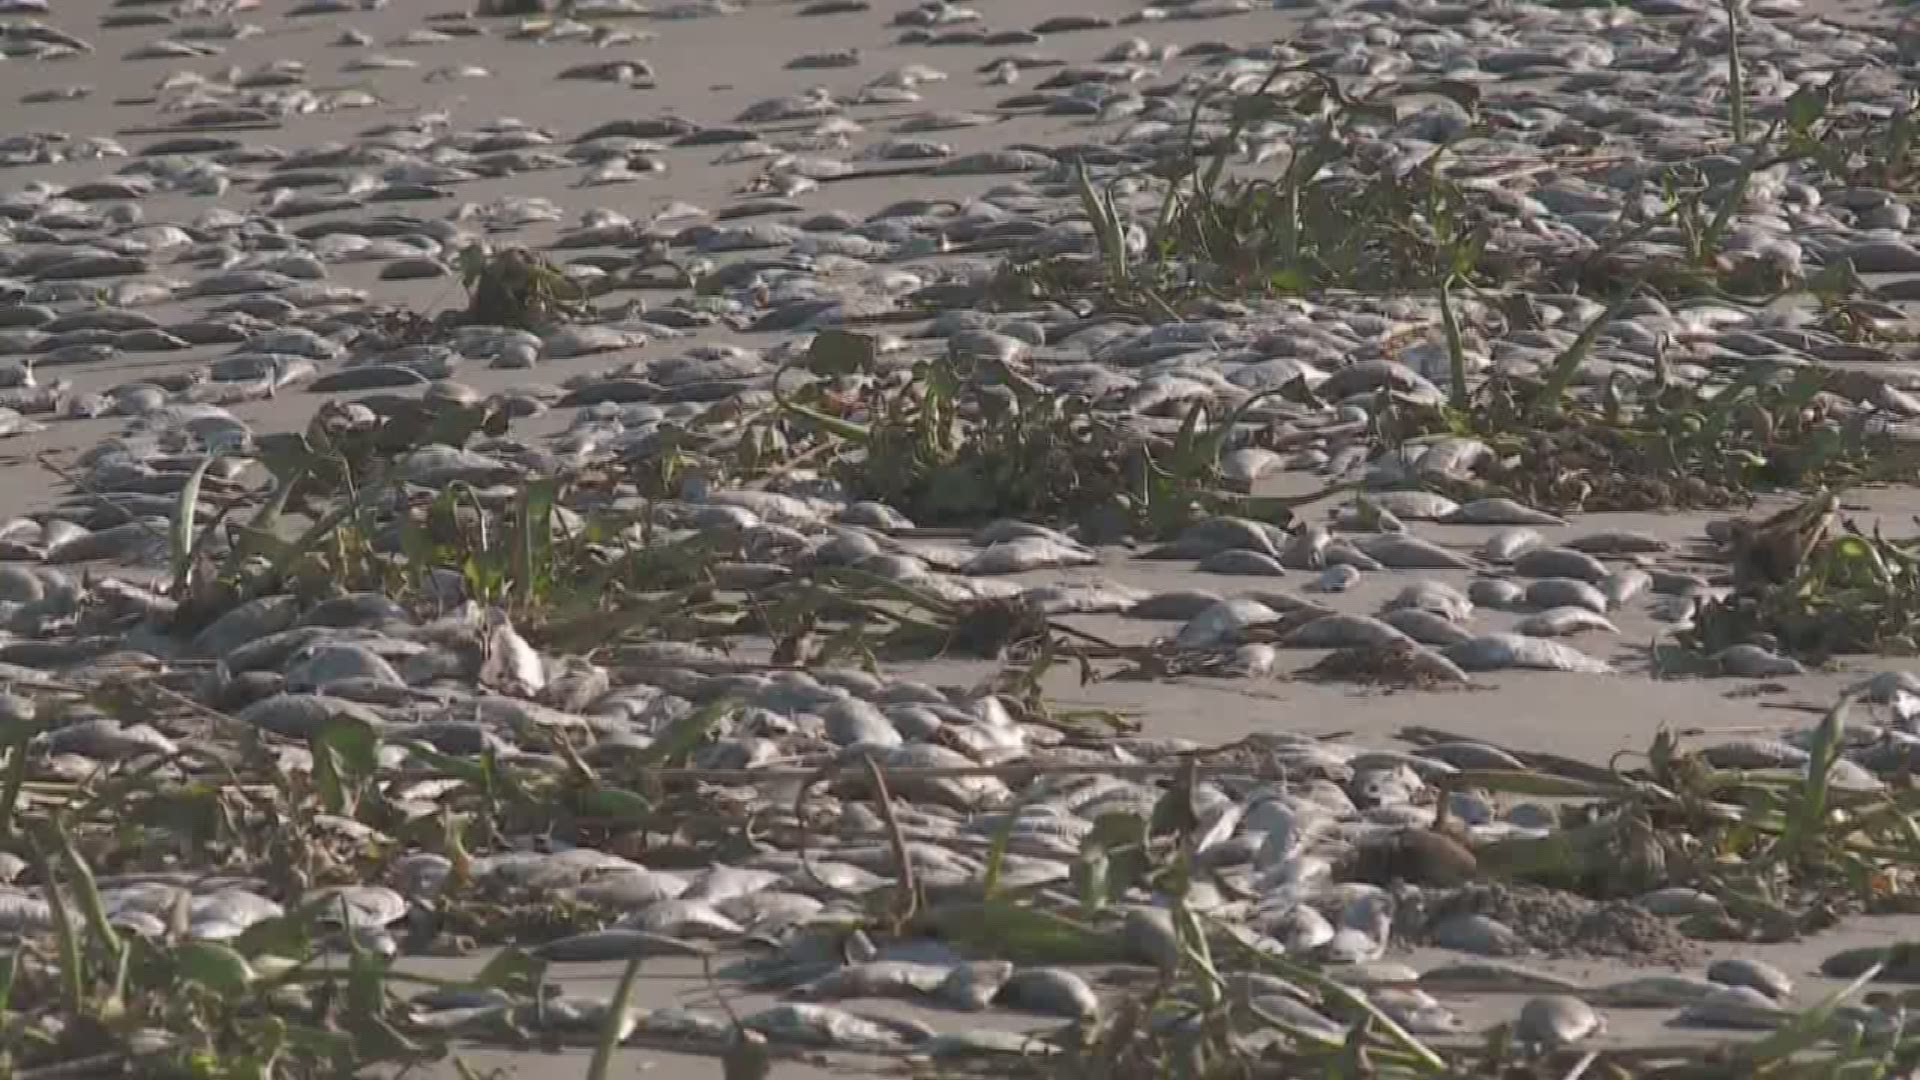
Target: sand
x=709 y=69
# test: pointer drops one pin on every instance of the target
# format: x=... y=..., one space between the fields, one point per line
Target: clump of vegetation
x=515 y=287
x=964 y=441
x=1816 y=590
x=406 y=505
x=1650 y=446
x=1785 y=853
x=1331 y=220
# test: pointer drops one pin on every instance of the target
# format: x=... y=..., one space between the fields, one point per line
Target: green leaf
x=1567 y=364
x=366 y=995
x=617 y=804
x=216 y=966
x=1021 y=934
x=346 y=752
x=1002 y=837
x=286 y=936
x=512 y=970
x=533 y=541
x=15 y=739
x=180 y=538
x=685 y=734
x=615 y=1027
x=1805 y=107
x=842 y=352
x=1456 y=348
x=472 y=772
x=1113 y=858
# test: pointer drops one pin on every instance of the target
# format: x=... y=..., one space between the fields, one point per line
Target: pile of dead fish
x=215 y=262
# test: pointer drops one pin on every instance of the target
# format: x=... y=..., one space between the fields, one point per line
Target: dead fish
x=758 y=909
x=512 y=664
x=1417 y=1011
x=1411 y=505
x=1755 y=753
x=1752 y=972
x=1559 y=562
x=1402 y=551
x=1496 y=592
x=1300 y=928
x=1748 y=661
x=1623 y=585
x=686 y=1026
x=1306 y=549
x=1253 y=661
x=1494 y=652
x=1248 y=464
x=1027 y=553
x=1478 y=934
x=1496 y=977
x=1221 y=533
x=1654 y=992
x=1500 y=511
x=1340 y=632
x=301 y=716
x=1224 y=623
x=574 y=1019
x=1454 y=458
x=250 y=621
x=1556 y=1020
x=1150 y=937
x=1436 y=596
x=1426 y=627
x=1471 y=755
x=1300 y=1017
x=986 y=1042
x=1676 y=583
x=1239 y=561
x=677 y=918
x=1673 y=608
x=1507 y=545
x=1336 y=579
x=105 y=739
x=824 y=1027
x=633 y=888
x=973 y=986
x=1351 y=945
x=1734 y=1008
x=1182 y=605
x=1377 y=974
x=1553 y=592
x=1679 y=901
x=1562 y=621
x=1900 y=962
x=1618 y=542
x=1342 y=553
x=875 y=978
x=1050 y=991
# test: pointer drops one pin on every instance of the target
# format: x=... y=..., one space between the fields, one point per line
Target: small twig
x=906 y=892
